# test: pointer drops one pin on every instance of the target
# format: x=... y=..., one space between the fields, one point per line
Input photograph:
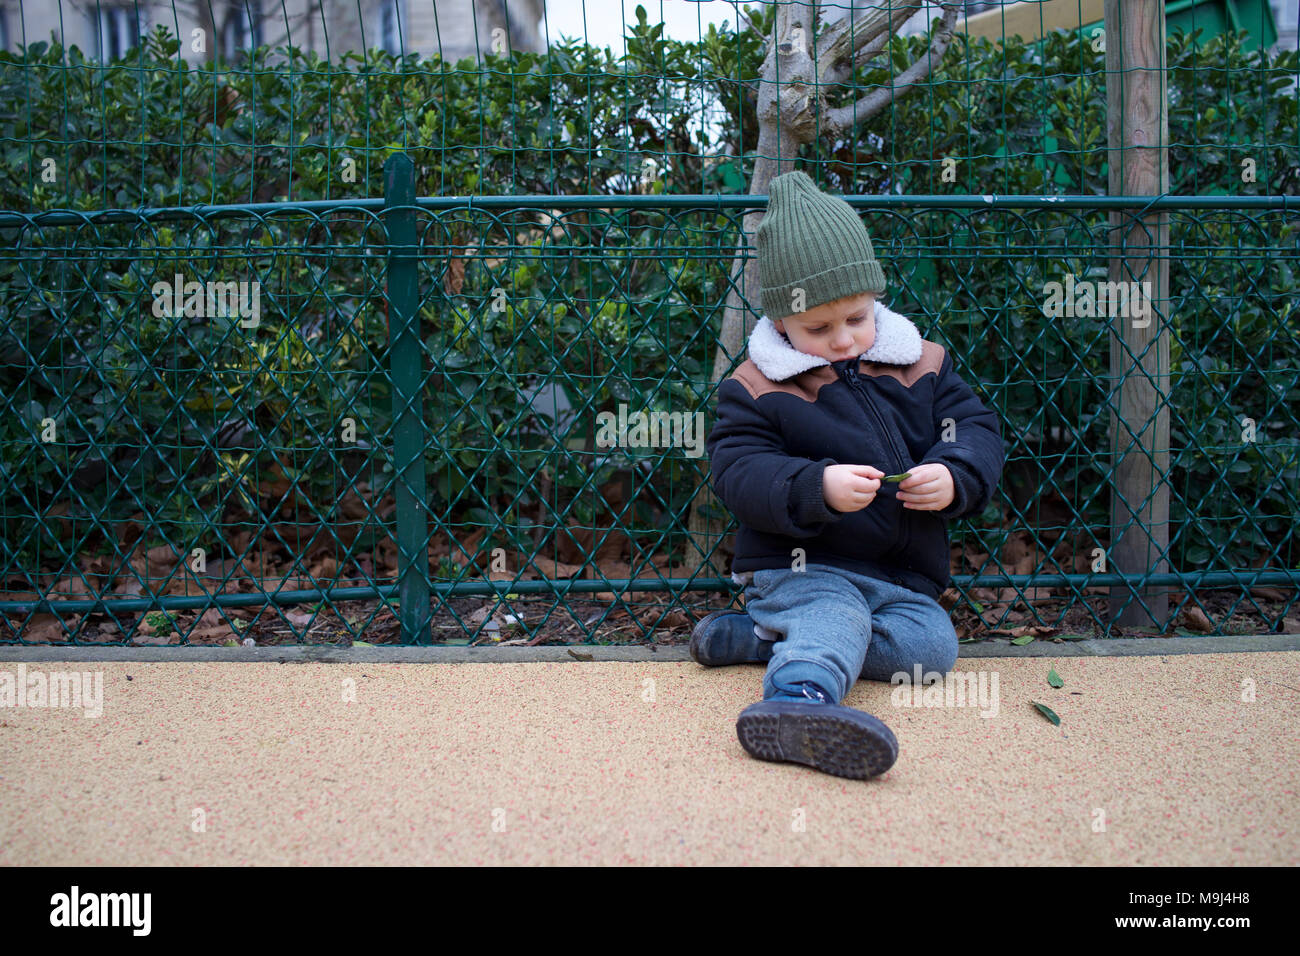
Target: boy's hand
x=928 y=489
x=850 y=487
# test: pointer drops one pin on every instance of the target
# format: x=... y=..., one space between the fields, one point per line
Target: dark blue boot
x=727 y=637
x=813 y=730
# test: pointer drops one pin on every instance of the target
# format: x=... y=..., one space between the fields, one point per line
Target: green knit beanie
x=815 y=242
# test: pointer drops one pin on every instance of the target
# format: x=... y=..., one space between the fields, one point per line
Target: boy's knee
x=935 y=656
x=943 y=657
x=940 y=653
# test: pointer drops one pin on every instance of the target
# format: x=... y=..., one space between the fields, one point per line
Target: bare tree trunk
x=709 y=516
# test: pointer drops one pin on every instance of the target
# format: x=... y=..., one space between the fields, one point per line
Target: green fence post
x=406 y=367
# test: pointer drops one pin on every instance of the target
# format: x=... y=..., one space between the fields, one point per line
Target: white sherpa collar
x=898 y=342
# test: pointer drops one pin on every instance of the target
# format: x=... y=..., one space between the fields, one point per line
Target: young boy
x=844 y=561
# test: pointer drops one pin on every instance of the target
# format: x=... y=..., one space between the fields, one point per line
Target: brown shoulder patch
x=805 y=385
x=931 y=360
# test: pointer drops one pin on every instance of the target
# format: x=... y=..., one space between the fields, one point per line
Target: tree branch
x=864 y=36
x=841 y=118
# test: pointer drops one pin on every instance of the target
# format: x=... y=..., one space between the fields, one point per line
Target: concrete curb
x=461 y=654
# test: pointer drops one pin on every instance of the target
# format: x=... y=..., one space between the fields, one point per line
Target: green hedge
x=159 y=409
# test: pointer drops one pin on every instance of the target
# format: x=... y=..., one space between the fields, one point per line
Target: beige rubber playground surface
x=1158 y=761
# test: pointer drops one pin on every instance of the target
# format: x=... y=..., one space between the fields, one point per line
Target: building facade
x=106 y=29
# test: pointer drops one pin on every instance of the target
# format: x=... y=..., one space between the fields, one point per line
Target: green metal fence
x=309 y=350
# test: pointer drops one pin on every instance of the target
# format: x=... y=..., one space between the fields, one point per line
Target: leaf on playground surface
x=1048 y=713
x=1054 y=678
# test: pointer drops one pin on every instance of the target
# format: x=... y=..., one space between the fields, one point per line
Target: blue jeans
x=840 y=625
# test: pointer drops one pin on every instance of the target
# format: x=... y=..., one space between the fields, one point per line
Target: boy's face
x=835 y=331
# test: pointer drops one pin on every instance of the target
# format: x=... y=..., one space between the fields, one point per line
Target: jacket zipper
x=851 y=373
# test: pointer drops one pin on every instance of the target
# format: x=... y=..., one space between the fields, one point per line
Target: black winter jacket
x=783 y=416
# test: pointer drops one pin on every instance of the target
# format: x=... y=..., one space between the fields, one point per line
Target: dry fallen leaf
x=299 y=618
x=1035 y=630
x=1194 y=619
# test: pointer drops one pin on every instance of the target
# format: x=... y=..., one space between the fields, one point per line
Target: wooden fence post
x=1137 y=125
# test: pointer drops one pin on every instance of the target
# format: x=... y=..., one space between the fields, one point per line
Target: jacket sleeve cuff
x=961 y=488
x=807 y=500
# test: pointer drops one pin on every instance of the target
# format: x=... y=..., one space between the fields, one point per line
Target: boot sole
x=827 y=737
